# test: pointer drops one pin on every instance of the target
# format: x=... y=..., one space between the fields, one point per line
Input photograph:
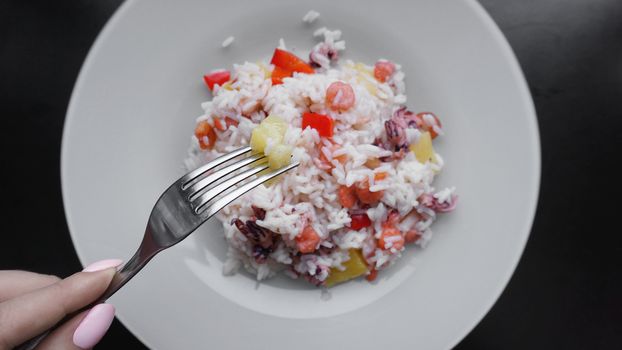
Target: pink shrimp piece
x=340 y=96
x=383 y=70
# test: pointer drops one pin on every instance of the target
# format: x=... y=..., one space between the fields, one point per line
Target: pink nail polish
x=102 y=265
x=93 y=326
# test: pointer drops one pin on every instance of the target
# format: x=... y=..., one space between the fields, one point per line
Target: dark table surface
x=567 y=290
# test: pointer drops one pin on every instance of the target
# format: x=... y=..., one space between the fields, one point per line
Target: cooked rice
x=311 y=16
x=228 y=41
x=308 y=195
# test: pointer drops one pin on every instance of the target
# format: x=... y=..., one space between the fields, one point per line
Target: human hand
x=31 y=303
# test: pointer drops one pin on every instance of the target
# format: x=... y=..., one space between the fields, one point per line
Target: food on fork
x=363 y=192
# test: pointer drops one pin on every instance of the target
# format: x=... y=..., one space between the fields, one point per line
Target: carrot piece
x=365 y=195
x=327 y=165
x=391 y=237
x=205 y=134
x=230 y=121
x=429 y=126
x=381 y=175
x=347 y=197
x=411 y=236
x=218 y=124
x=307 y=240
x=372 y=275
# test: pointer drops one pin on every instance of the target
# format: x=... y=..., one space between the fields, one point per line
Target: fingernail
x=102 y=265
x=93 y=326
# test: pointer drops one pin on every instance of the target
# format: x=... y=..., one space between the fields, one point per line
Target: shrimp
x=340 y=96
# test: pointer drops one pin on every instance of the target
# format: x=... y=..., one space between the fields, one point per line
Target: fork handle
x=142 y=256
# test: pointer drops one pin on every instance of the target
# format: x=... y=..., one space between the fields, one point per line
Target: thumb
x=30 y=314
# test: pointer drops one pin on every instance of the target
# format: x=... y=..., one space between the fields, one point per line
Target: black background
x=567 y=290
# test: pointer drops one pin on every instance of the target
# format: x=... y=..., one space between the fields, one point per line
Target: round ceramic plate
x=129 y=126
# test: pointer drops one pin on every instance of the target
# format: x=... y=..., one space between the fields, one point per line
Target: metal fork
x=183 y=207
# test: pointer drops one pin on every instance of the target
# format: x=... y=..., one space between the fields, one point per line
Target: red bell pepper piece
x=216 y=77
x=359 y=221
x=278 y=74
x=290 y=62
x=324 y=124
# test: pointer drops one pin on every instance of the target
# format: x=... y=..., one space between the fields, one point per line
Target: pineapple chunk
x=423 y=149
x=259 y=139
x=272 y=181
x=363 y=69
x=227 y=86
x=365 y=76
x=355 y=267
x=276 y=123
x=279 y=156
x=368 y=85
x=270 y=128
x=267 y=73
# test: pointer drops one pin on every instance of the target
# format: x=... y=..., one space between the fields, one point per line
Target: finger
x=14 y=283
x=30 y=314
x=58 y=338
x=83 y=331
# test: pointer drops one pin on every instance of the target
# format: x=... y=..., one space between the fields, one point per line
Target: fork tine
x=191 y=176
x=233 y=195
x=202 y=200
x=196 y=188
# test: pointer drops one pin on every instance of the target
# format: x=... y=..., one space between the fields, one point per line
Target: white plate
x=129 y=125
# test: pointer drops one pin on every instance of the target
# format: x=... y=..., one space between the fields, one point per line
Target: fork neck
x=147 y=250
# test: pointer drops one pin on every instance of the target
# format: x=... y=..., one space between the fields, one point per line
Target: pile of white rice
x=308 y=194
